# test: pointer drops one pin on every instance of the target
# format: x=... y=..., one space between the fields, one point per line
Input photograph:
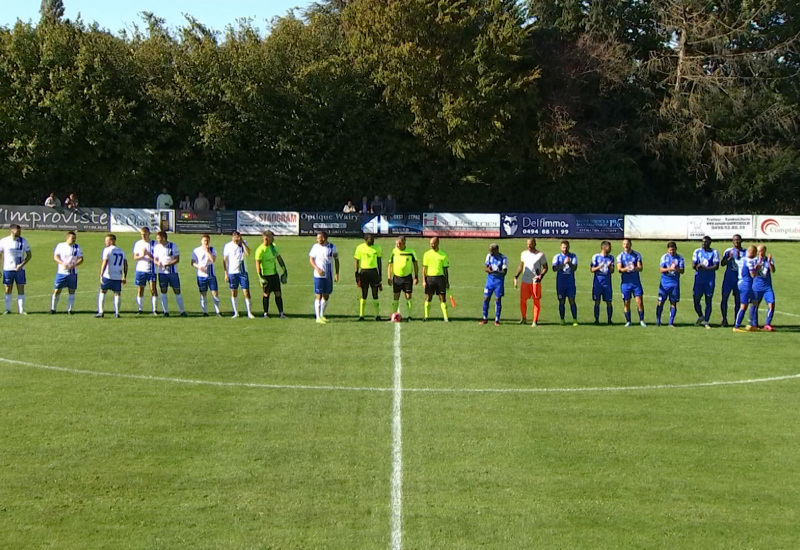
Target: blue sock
x=610 y=311
x=485 y=309
x=697 y=308
x=562 y=310
x=597 y=312
x=628 y=316
x=659 y=310
x=672 y=311
x=739 y=318
x=641 y=315
x=753 y=315
x=573 y=308
x=708 y=308
x=498 y=307
x=770 y=313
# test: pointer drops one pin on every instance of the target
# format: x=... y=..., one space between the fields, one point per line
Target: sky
x=115 y=15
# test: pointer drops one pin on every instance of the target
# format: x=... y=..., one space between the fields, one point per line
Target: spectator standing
x=218 y=204
x=52 y=201
x=201 y=203
x=364 y=205
x=349 y=208
x=389 y=206
x=376 y=207
x=71 y=201
x=164 y=200
x=185 y=204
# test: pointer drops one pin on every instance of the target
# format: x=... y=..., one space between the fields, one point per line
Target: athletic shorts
x=323 y=285
x=766 y=295
x=68 y=281
x=235 y=280
x=11 y=277
x=671 y=293
x=530 y=290
x=403 y=284
x=273 y=283
x=204 y=284
x=166 y=280
x=631 y=289
x=565 y=290
x=111 y=284
x=601 y=292
x=703 y=288
x=745 y=293
x=494 y=286
x=369 y=278
x=730 y=284
x=435 y=285
x=143 y=278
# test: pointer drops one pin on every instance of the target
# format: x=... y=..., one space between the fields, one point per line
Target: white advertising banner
x=438 y=224
x=720 y=227
x=656 y=227
x=255 y=222
x=784 y=228
x=131 y=220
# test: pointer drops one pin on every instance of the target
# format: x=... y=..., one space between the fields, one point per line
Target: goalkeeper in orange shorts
x=532 y=267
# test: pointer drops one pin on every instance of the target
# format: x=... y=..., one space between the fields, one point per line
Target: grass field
x=146 y=432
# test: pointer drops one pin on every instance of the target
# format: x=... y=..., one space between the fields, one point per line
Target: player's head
x=369 y=238
x=494 y=249
x=71 y=237
x=706 y=243
x=565 y=247
x=435 y=243
x=400 y=243
x=145 y=233
x=269 y=237
x=672 y=248
x=531 y=244
x=751 y=251
x=161 y=237
x=737 y=241
x=111 y=239
x=605 y=246
x=762 y=250
x=15 y=230
x=322 y=237
x=205 y=240
x=236 y=237
x=626 y=245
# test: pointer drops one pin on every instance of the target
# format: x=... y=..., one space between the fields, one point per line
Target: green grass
x=222 y=433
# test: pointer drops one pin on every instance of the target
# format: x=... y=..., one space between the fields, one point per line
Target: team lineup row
x=747 y=276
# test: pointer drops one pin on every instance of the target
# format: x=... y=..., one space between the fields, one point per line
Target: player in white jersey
x=234 y=255
x=68 y=255
x=323 y=257
x=166 y=256
x=533 y=267
x=16 y=253
x=113 y=274
x=145 y=269
x=203 y=259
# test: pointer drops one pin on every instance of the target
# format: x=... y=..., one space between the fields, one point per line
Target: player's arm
x=544 y=272
x=771 y=263
x=380 y=265
x=225 y=267
x=415 y=263
x=715 y=267
x=665 y=268
x=504 y=268
x=79 y=261
x=424 y=275
x=519 y=270
x=103 y=265
x=356 y=272
x=212 y=256
x=727 y=255
x=446 y=276
x=281 y=263
x=389 y=271
x=314 y=266
x=594 y=268
x=621 y=268
x=25 y=260
x=245 y=247
x=486 y=267
x=58 y=260
x=141 y=254
x=336 y=266
x=125 y=271
x=639 y=264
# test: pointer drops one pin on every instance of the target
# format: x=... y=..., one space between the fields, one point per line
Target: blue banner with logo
x=561 y=226
x=394 y=224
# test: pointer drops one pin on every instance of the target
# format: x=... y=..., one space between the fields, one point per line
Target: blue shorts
x=323 y=285
x=703 y=288
x=110 y=284
x=565 y=290
x=745 y=293
x=601 y=292
x=68 y=281
x=730 y=285
x=204 y=284
x=143 y=278
x=11 y=277
x=669 y=293
x=235 y=280
x=766 y=295
x=494 y=286
x=166 y=280
x=631 y=289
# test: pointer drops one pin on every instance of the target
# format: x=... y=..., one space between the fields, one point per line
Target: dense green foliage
x=547 y=105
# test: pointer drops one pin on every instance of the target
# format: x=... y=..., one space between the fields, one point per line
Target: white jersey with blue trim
x=202 y=260
x=13 y=251
x=235 y=256
x=498 y=265
x=115 y=258
x=69 y=254
x=323 y=255
x=165 y=253
x=145 y=264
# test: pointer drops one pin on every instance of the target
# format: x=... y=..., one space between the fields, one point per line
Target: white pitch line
x=397 y=445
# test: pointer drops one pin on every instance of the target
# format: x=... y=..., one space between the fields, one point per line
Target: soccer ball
x=396 y=317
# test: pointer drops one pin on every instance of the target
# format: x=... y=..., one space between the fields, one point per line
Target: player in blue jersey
x=705 y=262
x=496 y=267
x=629 y=265
x=564 y=264
x=672 y=267
x=602 y=266
x=730 y=281
x=746 y=270
x=762 y=286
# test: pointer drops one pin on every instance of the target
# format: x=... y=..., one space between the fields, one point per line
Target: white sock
x=179 y=299
x=139 y=301
x=235 y=308
x=323 y=306
x=54 y=301
x=203 y=303
x=317 y=308
x=164 y=303
x=70 y=301
x=116 y=304
x=216 y=304
x=21 y=302
x=153 y=302
x=8 y=302
x=101 y=300
x=247 y=305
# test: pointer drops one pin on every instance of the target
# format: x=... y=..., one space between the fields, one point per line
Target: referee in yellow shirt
x=368 y=274
x=402 y=263
x=435 y=277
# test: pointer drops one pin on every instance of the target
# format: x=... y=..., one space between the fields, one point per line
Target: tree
x=52 y=10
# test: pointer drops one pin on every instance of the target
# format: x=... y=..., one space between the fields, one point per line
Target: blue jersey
x=672 y=278
x=498 y=267
x=629 y=260
x=565 y=272
x=734 y=256
x=602 y=276
x=745 y=265
x=763 y=279
x=705 y=258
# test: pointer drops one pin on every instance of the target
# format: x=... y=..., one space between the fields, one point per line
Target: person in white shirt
x=145 y=270
x=233 y=259
x=164 y=200
x=533 y=267
x=16 y=253
x=113 y=274
x=203 y=259
x=323 y=256
x=166 y=256
x=68 y=256
x=52 y=201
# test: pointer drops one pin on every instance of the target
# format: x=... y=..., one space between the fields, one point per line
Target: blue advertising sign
x=562 y=226
x=394 y=224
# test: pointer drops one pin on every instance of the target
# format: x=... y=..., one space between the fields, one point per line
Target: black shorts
x=273 y=283
x=403 y=284
x=370 y=278
x=435 y=285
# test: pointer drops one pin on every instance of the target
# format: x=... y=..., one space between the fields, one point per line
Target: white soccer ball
x=396 y=317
